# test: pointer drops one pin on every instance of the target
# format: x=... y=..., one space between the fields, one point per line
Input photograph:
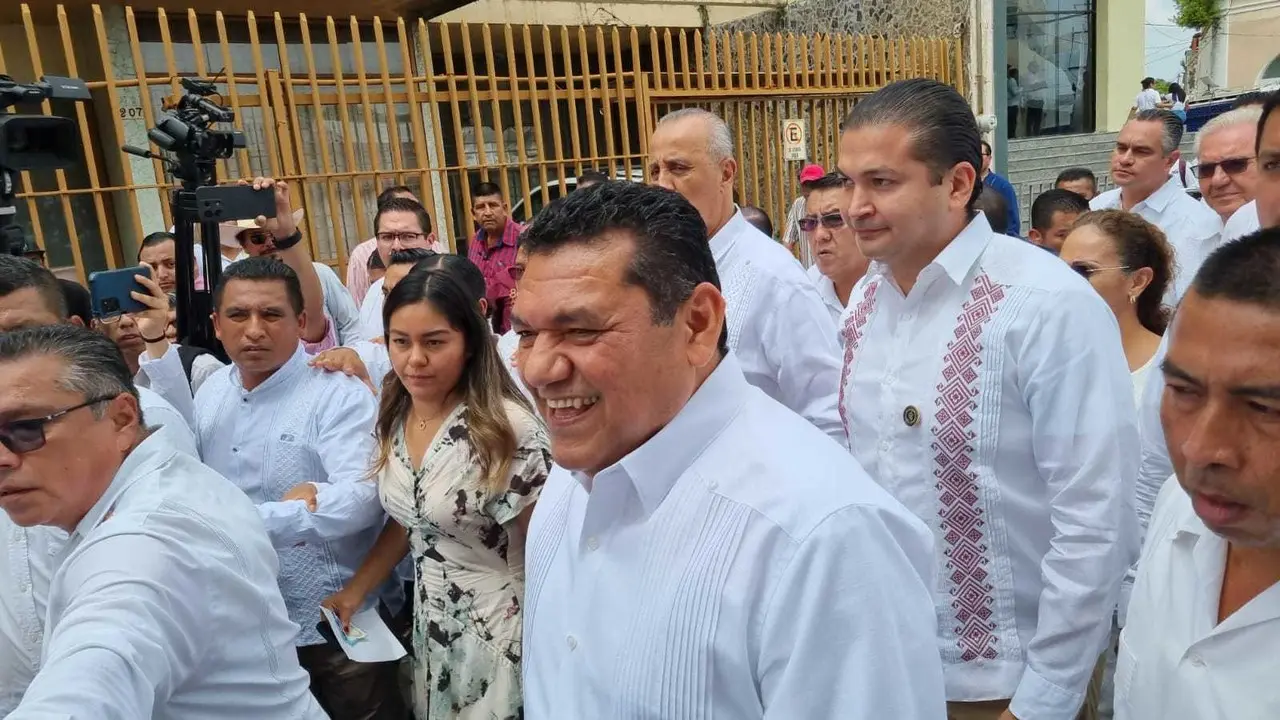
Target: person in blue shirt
x=999 y=184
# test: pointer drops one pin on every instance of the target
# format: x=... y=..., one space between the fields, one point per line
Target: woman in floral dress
x=462 y=460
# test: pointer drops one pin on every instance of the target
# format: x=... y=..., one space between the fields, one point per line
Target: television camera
x=32 y=142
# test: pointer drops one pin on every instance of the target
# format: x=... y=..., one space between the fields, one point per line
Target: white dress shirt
x=995 y=402
x=1244 y=221
x=371 y=312
x=301 y=425
x=778 y=327
x=1147 y=99
x=1177 y=662
x=1156 y=467
x=827 y=291
x=1193 y=229
x=31 y=555
x=163 y=606
x=737 y=565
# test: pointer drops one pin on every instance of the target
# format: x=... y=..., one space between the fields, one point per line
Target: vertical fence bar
x=114 y=259
x=495 y=111
x=606 y=102
x=571 y=84
x=424 y=42
x=518 y=113
x=584 y=61
x=91 y=162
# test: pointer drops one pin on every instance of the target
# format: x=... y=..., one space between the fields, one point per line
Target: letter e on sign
x=795 y=140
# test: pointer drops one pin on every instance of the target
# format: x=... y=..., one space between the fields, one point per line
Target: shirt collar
x=1166 y=194
x=722 y=242
x=281 y=376
x=654 y=467
x=152 y=450
x=510 y=234
x=959 y=256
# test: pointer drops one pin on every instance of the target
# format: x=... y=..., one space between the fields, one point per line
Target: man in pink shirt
x=493 y=250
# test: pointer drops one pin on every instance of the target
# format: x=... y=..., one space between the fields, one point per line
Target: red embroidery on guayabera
x=963 y=524
x=852 y=336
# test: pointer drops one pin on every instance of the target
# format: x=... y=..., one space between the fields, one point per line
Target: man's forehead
x=399 y=220
x=244 y=290
x=25 y=308
x=1229 y=140
x=31 y=384
x=826 y=199
x=1141 y=133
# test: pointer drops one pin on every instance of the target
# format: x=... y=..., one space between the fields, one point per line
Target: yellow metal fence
x=343 y=107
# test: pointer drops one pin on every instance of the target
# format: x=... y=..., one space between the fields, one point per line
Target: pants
x=348 y=690
x=983 y=710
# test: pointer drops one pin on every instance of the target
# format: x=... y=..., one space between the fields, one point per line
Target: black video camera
x=187 y=129
x=32 y=142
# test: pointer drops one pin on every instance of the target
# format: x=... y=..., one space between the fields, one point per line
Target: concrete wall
x=640 y=13
x=1121 y=59
x=1254 y=35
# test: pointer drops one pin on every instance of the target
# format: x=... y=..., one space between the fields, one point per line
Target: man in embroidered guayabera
x=701 y=551
x=985 y=386
x=271 y=423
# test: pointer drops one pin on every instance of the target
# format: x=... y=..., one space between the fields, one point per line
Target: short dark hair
x=410 y=256
x=154 y=239
x=485 y=189
x=1246 y=270
x=672 y=254
x=1253 y=97
x=393 y=192
x=1147 y=82
x=1171 y=127
x=1054 y=201
x=992 y=204
x=1272 y=102
x=944 y=130
x=261 y=269
x=95 y=367
x=19 y=273
x=758 y=218
x=403 y=204
x=986 y=148
x=79 y=302
x=591 y=177
x=1077 y=173
x=375 y=262
x=826 y=182
x=459 y=268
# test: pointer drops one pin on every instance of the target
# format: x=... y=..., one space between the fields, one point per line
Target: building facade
x=1242 y=52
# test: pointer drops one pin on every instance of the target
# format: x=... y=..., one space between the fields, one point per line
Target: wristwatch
x=285 y=243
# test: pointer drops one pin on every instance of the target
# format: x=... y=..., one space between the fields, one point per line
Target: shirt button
x=572 y=642
x=1197 y=661
x=23 y=588
x=884 y=446
x=593 y=544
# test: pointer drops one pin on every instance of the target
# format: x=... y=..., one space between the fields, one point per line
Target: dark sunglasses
x=257 y=238
x=830 y=221
x=24 y=436
x=1230 y=166
x=1088 y=271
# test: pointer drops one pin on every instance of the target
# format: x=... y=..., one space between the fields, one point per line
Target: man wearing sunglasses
x=838 y=262
x=1228 y=169
x=30 y=296
x=1146 y=149
x=163 y=603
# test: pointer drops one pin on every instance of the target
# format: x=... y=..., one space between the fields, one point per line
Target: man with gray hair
x=163 y=604
x=1146 y=150
x=779 y=328
x=1228 y=169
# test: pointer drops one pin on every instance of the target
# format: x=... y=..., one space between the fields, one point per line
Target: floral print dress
x=469 y=579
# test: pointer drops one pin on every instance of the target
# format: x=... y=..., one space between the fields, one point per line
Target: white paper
x=368 y=640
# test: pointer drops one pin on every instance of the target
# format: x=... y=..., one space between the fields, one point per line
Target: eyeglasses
x=25 y=436
x=830 y=221
x=390 y=237
x=1088 y=271
x=1230 y=166
x=257 y=238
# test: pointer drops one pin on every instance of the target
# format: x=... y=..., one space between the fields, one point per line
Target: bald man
x=779 y=328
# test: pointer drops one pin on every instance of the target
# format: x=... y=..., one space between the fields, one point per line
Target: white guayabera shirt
x=995 y=402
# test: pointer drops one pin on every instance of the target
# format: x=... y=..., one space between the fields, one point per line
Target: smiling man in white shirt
x=701 y=551
x=778 y=326
x=163 y=604
x=1204 y=622
x=985 y=387
x=1146 y=149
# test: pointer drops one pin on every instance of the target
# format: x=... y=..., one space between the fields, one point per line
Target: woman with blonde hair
x=461 y=460
x=1130 y=263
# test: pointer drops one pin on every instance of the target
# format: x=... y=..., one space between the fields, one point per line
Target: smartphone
x=228 y=203
x=109 y=290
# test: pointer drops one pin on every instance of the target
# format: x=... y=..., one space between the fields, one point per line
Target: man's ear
x=75 y=320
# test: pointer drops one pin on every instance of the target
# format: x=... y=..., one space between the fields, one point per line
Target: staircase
x=1034 y=163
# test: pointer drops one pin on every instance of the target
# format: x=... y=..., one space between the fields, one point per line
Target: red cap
x=811 y=173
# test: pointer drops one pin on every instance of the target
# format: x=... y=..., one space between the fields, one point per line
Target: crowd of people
x=635 y=459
